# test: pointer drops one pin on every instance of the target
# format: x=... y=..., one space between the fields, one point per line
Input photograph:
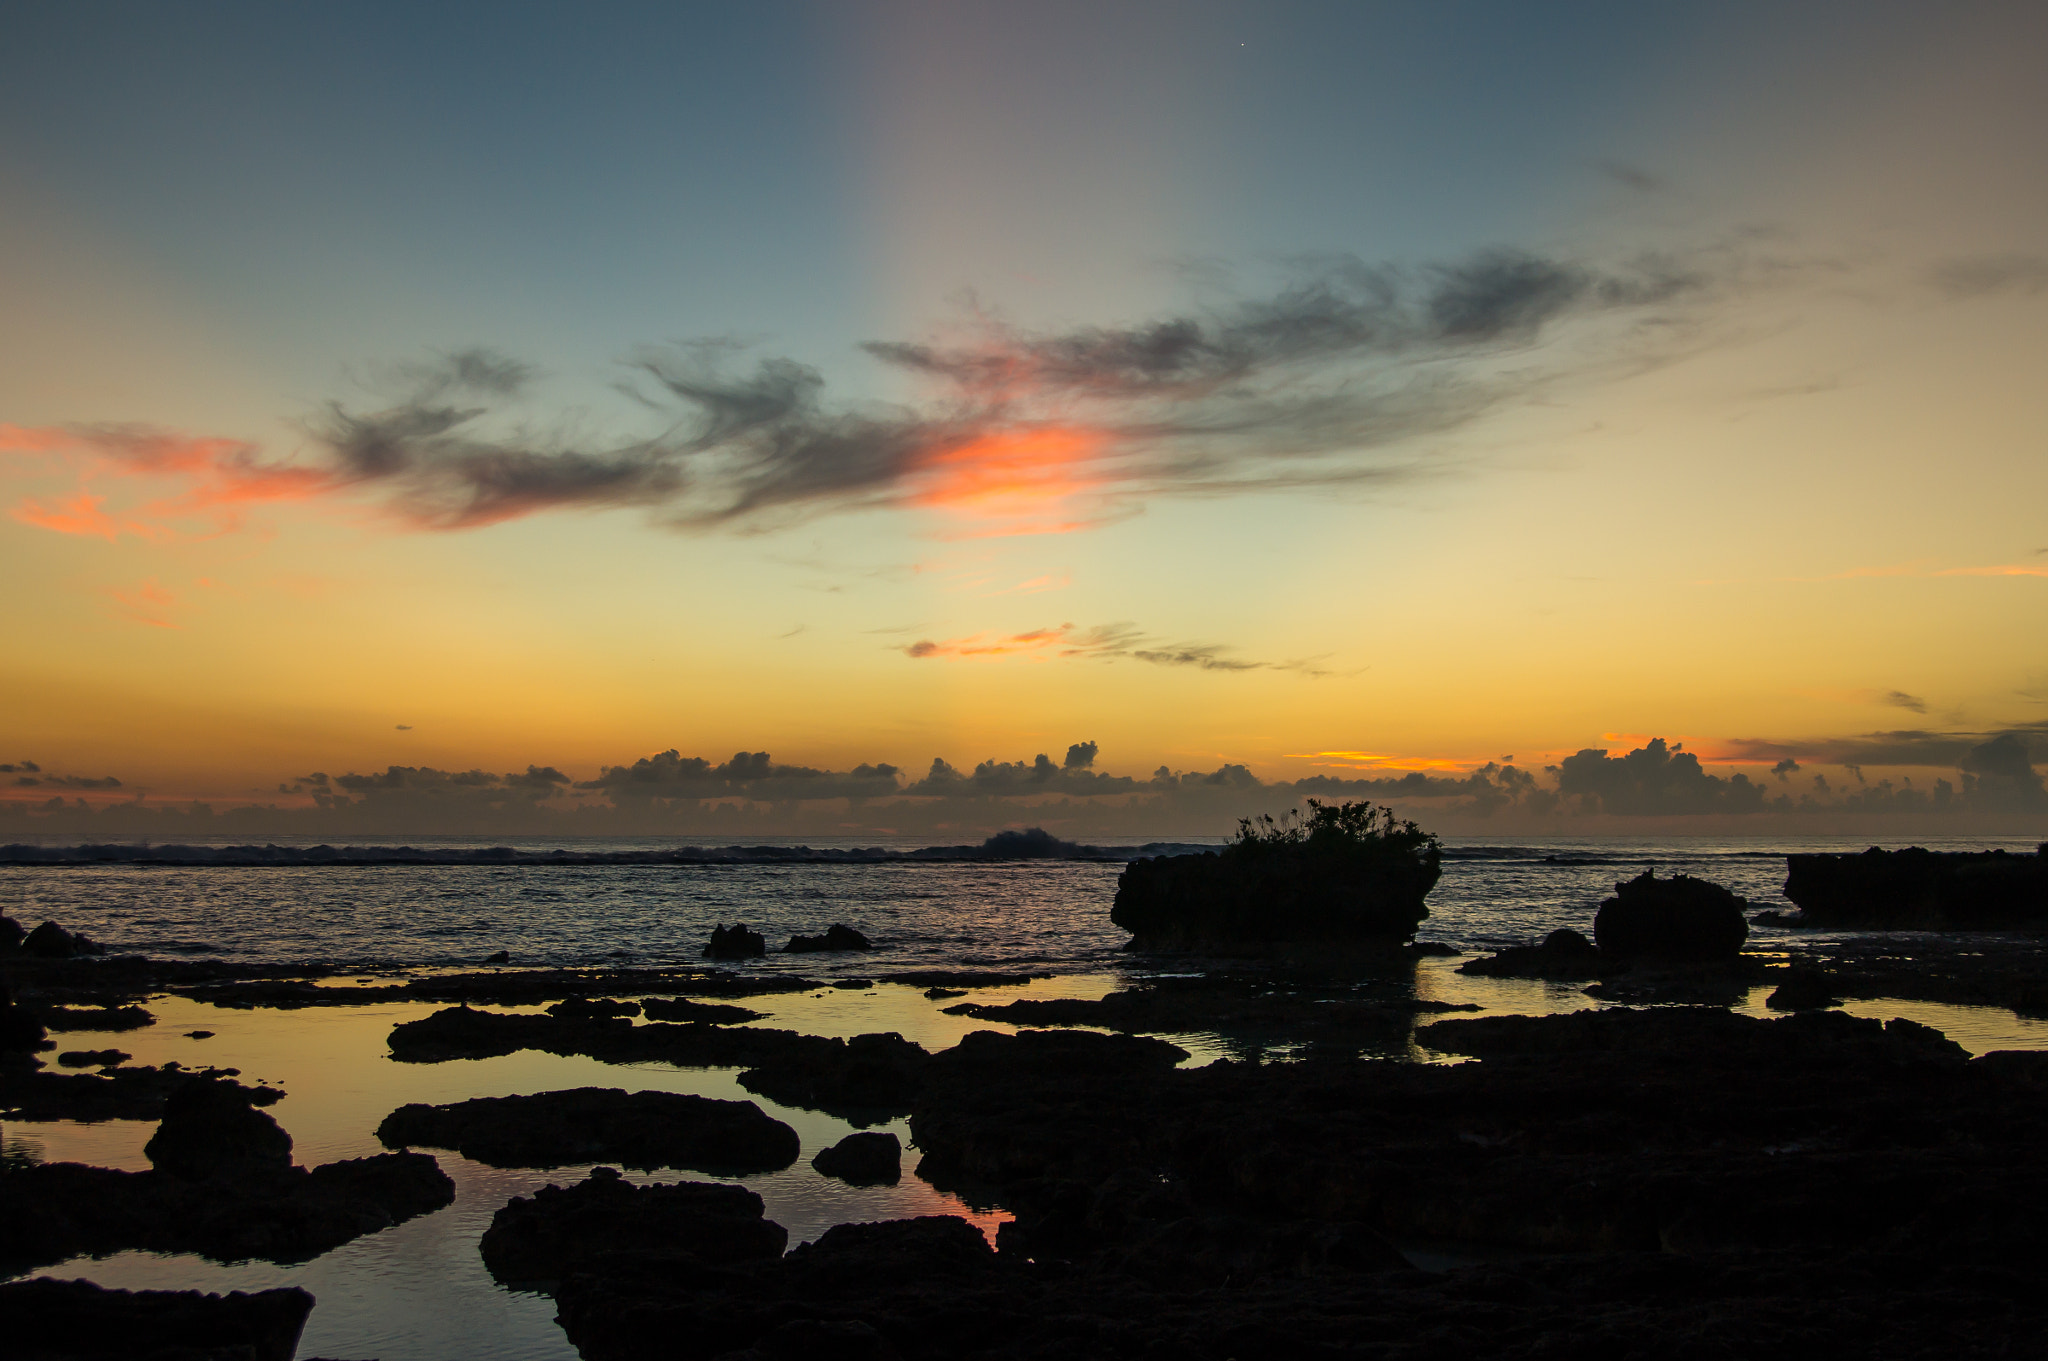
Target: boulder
x=1681 y=919
x=592 y=1124
x=11 y=934
x=45 y=1319
x=735 y=942
x=51 y=941
x=836 y=937
x=545 y=1236
x=867 y=1159
x=210 y=1132
x=20 y=1029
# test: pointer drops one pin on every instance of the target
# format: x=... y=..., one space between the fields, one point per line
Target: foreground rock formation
x=1665 y=1182
x=46 y=1320
x=222 y=1185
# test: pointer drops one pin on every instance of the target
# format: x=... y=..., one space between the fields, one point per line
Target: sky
x=472 y=406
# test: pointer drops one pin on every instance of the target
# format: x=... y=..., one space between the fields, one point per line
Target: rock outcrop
x=1675 y=920
x=1920 y=890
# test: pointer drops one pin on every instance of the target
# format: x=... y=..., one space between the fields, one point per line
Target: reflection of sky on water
x=420 y=1290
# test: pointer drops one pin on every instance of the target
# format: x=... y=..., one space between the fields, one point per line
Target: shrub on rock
x=1341 y=874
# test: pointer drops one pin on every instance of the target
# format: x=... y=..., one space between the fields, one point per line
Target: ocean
x=419 y=1290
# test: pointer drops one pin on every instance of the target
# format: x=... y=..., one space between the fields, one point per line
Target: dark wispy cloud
x=1104 y=642
x=1319 y=382
x=1899 y=699
x=1978 y=276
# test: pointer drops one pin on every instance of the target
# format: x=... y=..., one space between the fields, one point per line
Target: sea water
x=419 y=1290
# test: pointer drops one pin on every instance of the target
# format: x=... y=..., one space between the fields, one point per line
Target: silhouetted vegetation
x=1349 y=872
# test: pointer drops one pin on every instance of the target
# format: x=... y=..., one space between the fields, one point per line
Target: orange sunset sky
x=1340 y=391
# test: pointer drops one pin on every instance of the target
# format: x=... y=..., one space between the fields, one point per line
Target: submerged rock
x=96 y=1018
x=93 y=1058
x=683 y=1009
x=591 y=1124
x=559 y=1229
x=1918 y=889
x=735 y=942
x=583 y=1009
x=836 y=937
x=44 y=1320
x=1803 y=990
x=1676 y=919
x=869 y=1159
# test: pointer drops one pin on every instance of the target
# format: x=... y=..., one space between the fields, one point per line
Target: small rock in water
x=92 y=1058
x=735 y=942
x=199 y=1034
x=836 y=937
x=940 y=994
x=1680 y=918
x=1803 y=990
x=867 y=1159
x=853 y=984
x=502 y=957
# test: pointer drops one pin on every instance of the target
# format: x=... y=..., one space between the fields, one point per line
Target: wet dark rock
x=583 y=1009
x=501 y=957
x=51 y=941
x=199 y=1034
x=940 y=994
x=868 y=1159
x=116 y=1094
x=1565 y=955
x=50 y=1320
x=1331 y=887
x=835 y=937
x=683 y=1009
x=1803 y=990
x=853 y=984
x=958 y=978
x=1918 y=889
x=735 y=942
x=96 y=1018
x=55 y=1211
x=559 y=1229
x=1237 y=1007
x=92 y=1058
x=211 y=1131
x=866 y=1080
x=592 y=1124
x=1681 y=918
x=11 y=935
